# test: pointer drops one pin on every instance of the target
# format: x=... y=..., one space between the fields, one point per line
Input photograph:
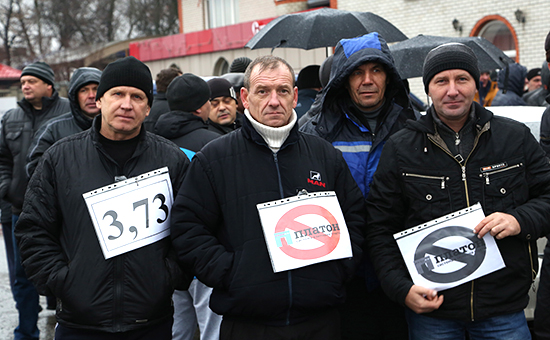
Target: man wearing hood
x=364 y=103
x=511 y=81
x=41 y=102
x=82 y=90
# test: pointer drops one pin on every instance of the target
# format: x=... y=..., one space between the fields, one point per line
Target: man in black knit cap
x=67 y=243
x=456 y=155
x=223 y=107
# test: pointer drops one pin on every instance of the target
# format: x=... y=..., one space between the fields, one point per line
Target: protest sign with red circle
x=329 y=243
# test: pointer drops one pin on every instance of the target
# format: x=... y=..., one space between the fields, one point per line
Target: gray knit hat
x=187 y=93
x=40 y=70
x=447 y=57
x=240 y=64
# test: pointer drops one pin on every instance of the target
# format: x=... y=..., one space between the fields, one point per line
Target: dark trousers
x=161 y=331
x=542 y=311
x=323 y=326
x=371 y=314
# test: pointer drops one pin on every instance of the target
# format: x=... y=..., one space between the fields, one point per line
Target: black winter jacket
x=66 y=124
x=60 y=249
x=185 y=129
x=18 y=128
x=418 y=180
x=216 y=227
x=160 y=106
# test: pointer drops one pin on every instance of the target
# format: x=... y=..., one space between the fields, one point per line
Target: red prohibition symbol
x=288 y=221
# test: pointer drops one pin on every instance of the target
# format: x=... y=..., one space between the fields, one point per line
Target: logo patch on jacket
x=315 y=178
x=494 y=167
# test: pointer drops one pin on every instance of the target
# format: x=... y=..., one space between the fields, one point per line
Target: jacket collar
x=250 y=133
x=47 y=103
x=426 y=122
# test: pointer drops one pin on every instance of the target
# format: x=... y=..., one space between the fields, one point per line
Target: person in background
x=239 y=65
x=542 y=309
x=511 y=80
x=160 y=103
x=540 y=96
x=186 y=125
x=533 y=79
x=237 y=80
x=223 y=107
x=82 y=91
x=41 y=102
x=309 y=85
x=487 y=89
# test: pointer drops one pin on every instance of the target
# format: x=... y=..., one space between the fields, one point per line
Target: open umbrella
x=321 y=28
x=409 y=55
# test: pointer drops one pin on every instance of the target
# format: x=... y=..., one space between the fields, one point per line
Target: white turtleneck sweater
x=273 y=136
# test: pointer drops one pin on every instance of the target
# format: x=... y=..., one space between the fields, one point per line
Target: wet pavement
x=8 y=313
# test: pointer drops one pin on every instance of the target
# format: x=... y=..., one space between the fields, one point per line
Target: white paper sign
x=133 y=213
x=445 y=252
x=304 y=230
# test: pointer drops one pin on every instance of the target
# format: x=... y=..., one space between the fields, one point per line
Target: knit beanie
x=220 y=87
x=533 y=73
x=39 y=70
x=187 y=93
x=240 y=64
x=448 y=57
x=126 y=72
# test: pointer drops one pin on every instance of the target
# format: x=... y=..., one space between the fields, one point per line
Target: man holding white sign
x=455 y=156
x=95 y=222
x=252 y=222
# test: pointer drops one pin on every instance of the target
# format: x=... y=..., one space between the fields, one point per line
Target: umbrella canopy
x=321 y=28
x=409 y=55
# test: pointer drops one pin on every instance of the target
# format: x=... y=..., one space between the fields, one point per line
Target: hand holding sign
x=500 y=225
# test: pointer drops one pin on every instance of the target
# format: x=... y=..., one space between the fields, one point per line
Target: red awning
x=9 y=73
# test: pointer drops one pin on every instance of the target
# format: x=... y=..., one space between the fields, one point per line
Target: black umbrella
x=321 y=28
x=409 y=55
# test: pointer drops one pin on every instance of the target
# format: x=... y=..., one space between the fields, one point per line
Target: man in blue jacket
x=364 y=103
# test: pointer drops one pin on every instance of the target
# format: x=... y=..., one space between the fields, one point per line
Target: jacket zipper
x=441 y=178
x=487 y=174
x=464 y=179
x=289 y=272
x=118 y=292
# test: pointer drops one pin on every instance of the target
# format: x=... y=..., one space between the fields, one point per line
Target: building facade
x=214 y=32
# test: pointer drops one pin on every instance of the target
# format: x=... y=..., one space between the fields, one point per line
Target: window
x=222 y=13
x=499 y=32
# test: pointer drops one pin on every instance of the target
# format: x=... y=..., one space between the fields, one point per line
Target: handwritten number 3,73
x=133 y=229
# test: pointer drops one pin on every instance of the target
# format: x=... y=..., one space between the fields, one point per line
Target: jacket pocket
x=504 y=188
x=428 y=194
x=13 y=138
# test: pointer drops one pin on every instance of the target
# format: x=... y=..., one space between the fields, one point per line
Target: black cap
x=220 y=87
x=448 y=57
x=39 y=70
x=308 y=77
x=533 y=73
x=187 y=93
x=126 y=72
